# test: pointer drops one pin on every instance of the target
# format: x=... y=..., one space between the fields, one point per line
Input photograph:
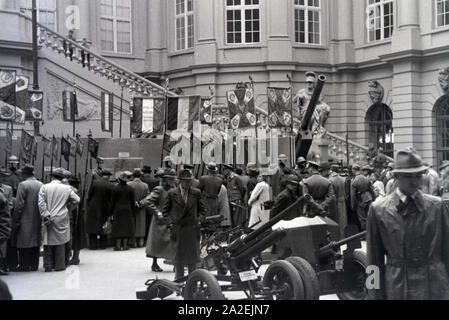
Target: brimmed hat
x=188 y=167
x=356 y=167
x=59 y=173
x=169 y=174
x=310 y=76
x=124 y=176
x=314 y=164
x=228 y=166
x=282 y=157
x=444 y=165
x=137 y=173
x=28 y=170
x=160 y=172
x=409 y=161
x=185 y=175
x=212 y=167
x=146 y=169
x=325 y=166
x=293 y=179
x=301 y=160
x=367 y=168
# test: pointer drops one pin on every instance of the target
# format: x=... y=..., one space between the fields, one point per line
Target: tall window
x=46 y=11
x=379 y=120
x=242 y=21
x=380 y=19
x=442 y=11
x=441 y=115
x=185 y=24
x=115 y=25
x=308 y=21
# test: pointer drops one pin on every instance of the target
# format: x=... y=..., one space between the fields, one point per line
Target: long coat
x=284 y=200
x=5 y=219
x=414 y=239
x=341 y=215
x=360 y=188
x=140 y=192
x=122 y=211
x=260 y=195
x=322 y=192
x=210 y=187
x=27 y=222
x=185 y=232
x=158 y=242
x=150 y=180
x=98 y=202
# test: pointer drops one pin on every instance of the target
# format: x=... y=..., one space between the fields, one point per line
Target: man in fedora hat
x=158 y=241
x=407 y=237
x=210 y=186
x=27 y=222
x=184 y=210
x=362 y=195
x=141 y=191
x=149 y=178
x=53 y=200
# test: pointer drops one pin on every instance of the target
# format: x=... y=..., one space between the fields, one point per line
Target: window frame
x=47 y=10
x=186 y=14
x=380 y=4
x=115 y=19
x=242 y=7
x=444 y=14
x=306 y=9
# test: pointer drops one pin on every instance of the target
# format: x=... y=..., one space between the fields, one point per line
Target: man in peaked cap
x=407 y=237
x=287 y=198
x=321 y=191
x=184 y=210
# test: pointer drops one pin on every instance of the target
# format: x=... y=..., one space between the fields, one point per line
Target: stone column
x=407 y=34
x=157 y=32
x=279 y=42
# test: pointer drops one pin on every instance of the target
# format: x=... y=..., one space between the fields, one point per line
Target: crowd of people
x=163 y=209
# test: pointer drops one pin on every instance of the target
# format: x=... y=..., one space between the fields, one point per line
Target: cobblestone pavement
x=102 y=275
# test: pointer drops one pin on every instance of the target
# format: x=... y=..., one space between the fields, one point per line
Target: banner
x=182 y=112
x=92 y=147
x=73 y=143
x=47 y=144
x=8 y=86
x=65 y=149
x=34 y=108
x=26 y=147
x=280 y=109
x=79 y=145
x=242 y=111
x=8 y=145
x=55 y=149
x=34 y=154
x=69 y=106
x=206 y=112
x=107 y=112
x=22 y=92
x=220 y=118
x=148 y=116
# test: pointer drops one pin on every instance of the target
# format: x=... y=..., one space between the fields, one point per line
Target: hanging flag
x=26 y=147
x=47 y=143
x=8 y=140
x=92 y=147
x=168 y=144
x=206 y=112
x=107 y=112
x=242 y=111
x=55 y=149
x=65 y=149
x=8 y=86
x=280 y=106
x=22 y=92
x=73 y=144
x=69 y=106
x=182 y=112
x=35 y=105
x=148 y=116
x=79 y=145
x=34 y=155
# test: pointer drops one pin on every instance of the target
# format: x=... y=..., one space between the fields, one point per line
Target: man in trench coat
x=411 y=230
x=184 y=210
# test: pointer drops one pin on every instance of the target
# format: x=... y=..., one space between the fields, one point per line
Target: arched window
x=379 y=121
x=441 y=116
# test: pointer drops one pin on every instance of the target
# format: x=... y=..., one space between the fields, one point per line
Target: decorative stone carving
x=443 y=79
x=376 y=91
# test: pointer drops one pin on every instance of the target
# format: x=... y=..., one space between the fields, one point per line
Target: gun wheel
x=283 y=281
x=202 y=285
x=308 y=276
x=360 y=263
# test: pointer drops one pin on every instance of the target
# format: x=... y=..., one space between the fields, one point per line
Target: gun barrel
x=342 y=242
x=313 y=103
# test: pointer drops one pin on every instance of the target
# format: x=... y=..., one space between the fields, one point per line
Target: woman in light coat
x=259 y=196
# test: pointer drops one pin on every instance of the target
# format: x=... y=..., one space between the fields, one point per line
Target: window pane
x=107 y=34
x=124 y=8
x=107 y=8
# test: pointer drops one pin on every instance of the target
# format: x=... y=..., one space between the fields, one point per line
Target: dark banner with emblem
x=242 y=111
x=280 y=108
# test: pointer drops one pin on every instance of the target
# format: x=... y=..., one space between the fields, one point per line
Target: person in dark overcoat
x=98 y=202
x=5 y=231
x=210 y=186
x=362 y=195
x=27 y=221
x=287 y=198
x=184 y=210
x=158 y=241
x=141 y=191
x=122 y=212
x=339 y=184
x=407 y=238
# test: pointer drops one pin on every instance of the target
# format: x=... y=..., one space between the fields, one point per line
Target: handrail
x=125 y=72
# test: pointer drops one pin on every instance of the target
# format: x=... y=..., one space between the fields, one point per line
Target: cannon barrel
x=239 y=243
x=334 y=245
x=306 y=122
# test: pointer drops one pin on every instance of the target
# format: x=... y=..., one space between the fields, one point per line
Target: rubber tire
x=308 y=276
x=292 y=273
x=212 y=283
x=361 y=258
